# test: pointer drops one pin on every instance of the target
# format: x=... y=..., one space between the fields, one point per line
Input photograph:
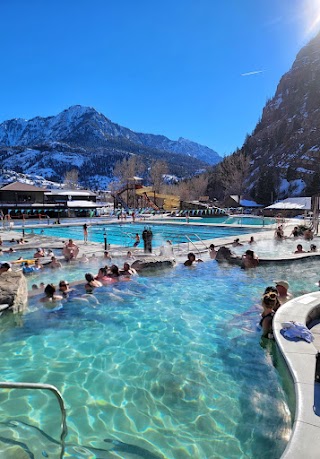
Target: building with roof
x=290 y=207
x=234 y=201
x=18 y=199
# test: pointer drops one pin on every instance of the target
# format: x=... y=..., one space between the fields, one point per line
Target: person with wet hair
x=299 y=249
x=92 y=283
x=50 y=296
x=212 y=252
x=249 y=260
x=102 y=275
x=114 y=272
x=127 y=270
x=269 y=301
x=192 y=260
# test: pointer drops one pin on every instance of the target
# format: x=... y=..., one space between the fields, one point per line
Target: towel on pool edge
x=296 y=330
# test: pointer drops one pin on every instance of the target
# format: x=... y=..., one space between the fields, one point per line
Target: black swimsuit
x=271 y=314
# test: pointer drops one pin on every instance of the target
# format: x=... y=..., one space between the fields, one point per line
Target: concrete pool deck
x=300 y=358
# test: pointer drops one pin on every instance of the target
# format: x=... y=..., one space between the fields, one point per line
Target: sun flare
x=311 y=12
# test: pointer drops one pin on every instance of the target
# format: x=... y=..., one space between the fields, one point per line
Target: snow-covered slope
x=84 y=126
x=82 y=138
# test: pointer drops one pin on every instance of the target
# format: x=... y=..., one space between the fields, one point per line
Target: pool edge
x=300 y=359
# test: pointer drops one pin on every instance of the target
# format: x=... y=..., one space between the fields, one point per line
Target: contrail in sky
x=255 y=72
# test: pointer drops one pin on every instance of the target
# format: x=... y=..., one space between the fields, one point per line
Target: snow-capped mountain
x=82 y=138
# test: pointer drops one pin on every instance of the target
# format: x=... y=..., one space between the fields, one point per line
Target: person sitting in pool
x=249 y=260
x=92 y=283
x=269 y=301
x=308 y=234
x=113 y=272
x=127 y=270
x=39 y=253
x=50 y=296
x=70 y=250
x=236 y=243
x=54 y=263
x=107 y=256
x=279 y=233
x=313 y=248
x=295 y=232
x=299 y=249
x=282 y=287
x=84 y=258
x=64 y=289
x=5 y=267
x=192 y=260
x=129 y=255
x=102 y=275
x=37 y=265
x=212 y=252
x=27 y=268
x=251 y=241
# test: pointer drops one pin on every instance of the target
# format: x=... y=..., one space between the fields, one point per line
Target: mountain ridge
x=82 y=138
x=284 y=147
x=18 y=131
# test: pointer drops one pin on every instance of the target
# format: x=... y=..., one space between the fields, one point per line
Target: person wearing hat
x=283 y=294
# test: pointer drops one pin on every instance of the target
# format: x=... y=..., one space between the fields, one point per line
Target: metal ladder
x=24 y=385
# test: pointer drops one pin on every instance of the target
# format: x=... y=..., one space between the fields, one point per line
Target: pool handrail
x=193 y=243
x=50 y=387
x=199 y=239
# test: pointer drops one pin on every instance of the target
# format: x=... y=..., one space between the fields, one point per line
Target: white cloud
x=254 y=72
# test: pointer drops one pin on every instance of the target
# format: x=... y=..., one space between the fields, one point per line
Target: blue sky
x=172 y=67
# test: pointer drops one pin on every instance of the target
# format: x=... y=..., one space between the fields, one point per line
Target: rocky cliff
x=285 y=145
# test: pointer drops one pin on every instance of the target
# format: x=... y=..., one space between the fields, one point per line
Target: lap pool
x=165 y=366
x=124 y=234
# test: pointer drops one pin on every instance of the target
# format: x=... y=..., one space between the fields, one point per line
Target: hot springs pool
x=169 y=365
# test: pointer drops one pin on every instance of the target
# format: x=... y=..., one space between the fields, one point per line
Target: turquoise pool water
x=169 y=365
x=124 y=234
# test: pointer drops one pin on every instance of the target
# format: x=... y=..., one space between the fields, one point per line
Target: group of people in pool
x=248 y=260
x=272 y=299
x=300 y=249
x=105 y=276
x=306 y=234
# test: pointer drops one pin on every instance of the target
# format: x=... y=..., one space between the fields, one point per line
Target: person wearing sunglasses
x=269 y=302
x=65 y=289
